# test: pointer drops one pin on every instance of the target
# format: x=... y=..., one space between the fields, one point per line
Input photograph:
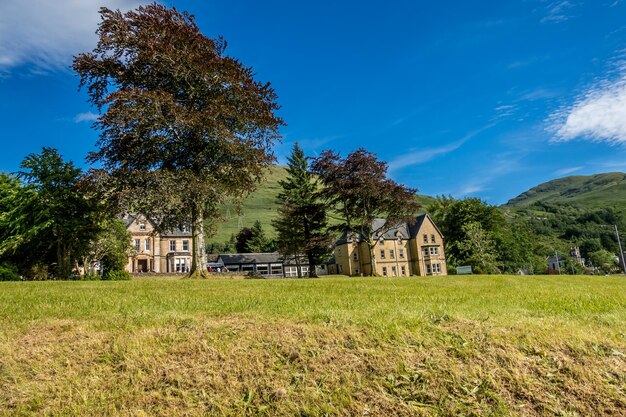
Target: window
x=425 y=238
x=147 y=244
x=392 y=254
x=262 y=269
x=381 y=241
x=401 y=253
x=305 y=270
x=185 y=246
x=403 y=269
x=437 y=268
x=355 y=256
x=384 y=271
x=172 y=246
x=137 y=244
x=428 y=269
x=277 y=269
x=142 y=226
x=424 y=251
x=291 y=271
x=394 y=272
x=434 y=251
x=340 y=268
x=181 y=265
x=382 y=254
x=432 y=238
x=247 y=268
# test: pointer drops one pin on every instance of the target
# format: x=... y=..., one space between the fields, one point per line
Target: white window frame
x=401 y=253
x=172 y=246
x=384 y=271
x=185 y=246
x=137 y=244
x=147 y=245
x=392 y=254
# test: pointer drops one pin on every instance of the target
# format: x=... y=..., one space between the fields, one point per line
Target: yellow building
x=410 y=249
x=153 y=252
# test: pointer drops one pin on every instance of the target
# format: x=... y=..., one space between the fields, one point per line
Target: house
x=409 y=249
x=267 y=265
x=556 y=262
x=169 y=252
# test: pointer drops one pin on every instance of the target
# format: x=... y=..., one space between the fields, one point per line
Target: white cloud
x=85 y=117
x=557 y=11
x=567 y=171
x=599 y=115
x=419 y=156
x=48 y=33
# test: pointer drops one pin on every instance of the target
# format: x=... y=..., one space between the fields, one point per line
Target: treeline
x=54 y=226
x=503 y=240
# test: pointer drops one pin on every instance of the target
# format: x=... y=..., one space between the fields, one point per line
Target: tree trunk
x=311 y=259
x=198 y=259
x=372 y=260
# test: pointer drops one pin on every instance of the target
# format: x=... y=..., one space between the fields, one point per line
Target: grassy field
x=447 y=346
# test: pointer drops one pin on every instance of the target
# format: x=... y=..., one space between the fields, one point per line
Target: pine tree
x=302 y=221
x=258 y=242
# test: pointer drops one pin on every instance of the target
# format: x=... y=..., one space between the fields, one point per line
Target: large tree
x=184 y=126
x=358 y=190
x=302 y=222
x=49 y=220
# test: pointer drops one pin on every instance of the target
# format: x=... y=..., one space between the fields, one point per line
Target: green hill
x=594 y=191
x=261 y=205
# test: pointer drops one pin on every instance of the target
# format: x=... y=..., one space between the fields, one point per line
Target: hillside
x=261 y=205
x=594 y=191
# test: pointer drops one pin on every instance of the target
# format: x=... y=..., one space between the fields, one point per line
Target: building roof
x=251 y=258
x=129 y=218
x=406 y=230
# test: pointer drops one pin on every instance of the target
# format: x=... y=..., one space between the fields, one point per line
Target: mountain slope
x=261 y=205
x=594 y=191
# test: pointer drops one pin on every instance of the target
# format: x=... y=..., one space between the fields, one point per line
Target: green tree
x=110 y=247
x=478 y=249
x=358 y=190
x=302 y=222
x=184 y=126
x=258 y=241
x=50 y=216
x=604 y=260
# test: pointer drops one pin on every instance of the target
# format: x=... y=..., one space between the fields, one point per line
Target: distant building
x=556 y=262
x=271 y=265
x=153 y=252
x=409 y=249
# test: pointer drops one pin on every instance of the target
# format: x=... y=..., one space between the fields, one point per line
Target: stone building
x=409 y=249
x=153 y=252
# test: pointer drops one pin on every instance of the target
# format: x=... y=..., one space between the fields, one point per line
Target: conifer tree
x=302 y=221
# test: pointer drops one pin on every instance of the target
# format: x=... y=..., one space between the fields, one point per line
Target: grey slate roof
x=251 y=258
x=407 y=231
x=129 y=218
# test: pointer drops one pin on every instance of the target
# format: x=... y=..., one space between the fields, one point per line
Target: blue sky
x=481 y=98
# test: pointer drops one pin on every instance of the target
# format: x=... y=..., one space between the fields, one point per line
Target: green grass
x=466 y=345
x=593 y=191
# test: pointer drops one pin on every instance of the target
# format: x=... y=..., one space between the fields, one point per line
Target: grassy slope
x=595 y=191
x=261 y=205
x=471 y=345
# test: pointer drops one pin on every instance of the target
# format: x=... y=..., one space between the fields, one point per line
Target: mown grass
x=479 y=345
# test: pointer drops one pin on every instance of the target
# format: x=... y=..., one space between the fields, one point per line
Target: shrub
x=117 y=276
x=8 y=272
x=91 y=277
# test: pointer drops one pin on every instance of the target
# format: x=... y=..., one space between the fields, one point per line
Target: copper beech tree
x=358 y=190
x=182 y=126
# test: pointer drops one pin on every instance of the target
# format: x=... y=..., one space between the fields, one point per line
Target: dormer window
x=142 y=226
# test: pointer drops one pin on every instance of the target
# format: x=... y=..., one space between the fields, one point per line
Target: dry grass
x=336 y=346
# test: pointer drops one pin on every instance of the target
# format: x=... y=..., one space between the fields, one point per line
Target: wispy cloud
x=499 y=165
x=567 y=171
x=558 y=11
x=46 y=34
x=598 y=114
x=420 y=156
x=85 y=117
